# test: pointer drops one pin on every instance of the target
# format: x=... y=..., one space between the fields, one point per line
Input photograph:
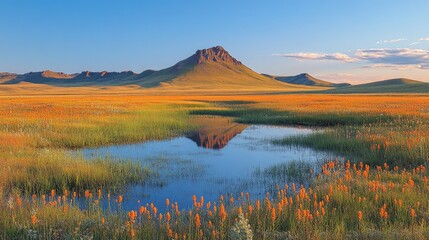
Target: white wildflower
x=10 y=203
x=241 y=229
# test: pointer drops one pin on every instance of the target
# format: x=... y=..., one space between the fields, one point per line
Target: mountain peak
x=307 y=79
x=305 y=75
x=215 y=54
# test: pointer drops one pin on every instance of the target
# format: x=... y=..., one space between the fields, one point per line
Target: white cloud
x=394 y=67
x=392 y=40
x=318 y=56
x=398 y=58
x=424 y=39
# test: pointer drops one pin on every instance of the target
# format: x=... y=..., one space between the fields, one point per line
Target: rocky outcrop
x=57 y=75
x=215 y=54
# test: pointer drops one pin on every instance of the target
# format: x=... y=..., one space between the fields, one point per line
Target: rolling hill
x=82 y=79
x=5 y=77
x=212 y=68
x=207 y=70
x=308 y=80
x=397 y=85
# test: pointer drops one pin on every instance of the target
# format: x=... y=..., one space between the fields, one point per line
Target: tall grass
x=345 y=201
x=402 y=142
x=37 y=133
x=276 y=117
x=373 y=136
x=44 y=170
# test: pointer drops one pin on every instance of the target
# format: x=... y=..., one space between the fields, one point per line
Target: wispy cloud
x=396 y=57
x=318 y=56
x=392 y=40
x=395 y=67
x=424 y=39
x=399 y=58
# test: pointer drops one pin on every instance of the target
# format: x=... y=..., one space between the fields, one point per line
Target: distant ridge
x=57 y=75
x=308 y=80
x=5 y=77
x=391 y=82
x=396 y=85
x=211 y=68
x=79 y=79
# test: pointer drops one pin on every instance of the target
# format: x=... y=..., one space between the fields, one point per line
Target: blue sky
x=354 y=41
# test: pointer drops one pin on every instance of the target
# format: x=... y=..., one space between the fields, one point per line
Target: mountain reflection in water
x=215 y=132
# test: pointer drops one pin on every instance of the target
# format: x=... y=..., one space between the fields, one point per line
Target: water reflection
x=234 y=158
x=215 y=132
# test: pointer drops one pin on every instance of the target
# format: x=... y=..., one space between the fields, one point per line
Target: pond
x=219 y=158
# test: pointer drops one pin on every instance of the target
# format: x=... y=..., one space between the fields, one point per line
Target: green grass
x=38 y=158
x=295 y=171
x=368 y=137
x=274 y=117
x=402 y=142
x=55 y=169
x=39 y=162
x=331 y=205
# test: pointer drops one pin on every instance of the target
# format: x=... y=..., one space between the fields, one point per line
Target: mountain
x=5 y=77
x=82 y=79
x=212 y=68
x=308 y=80
x=397 y=85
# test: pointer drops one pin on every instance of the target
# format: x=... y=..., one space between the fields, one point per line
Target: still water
x=220 y=158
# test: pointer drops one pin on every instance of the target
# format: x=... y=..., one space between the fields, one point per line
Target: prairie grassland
x=363 y=201
x=35 y=134
x=344 y=201
x=372 y=129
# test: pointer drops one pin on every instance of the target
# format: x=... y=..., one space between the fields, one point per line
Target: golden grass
x=35 y=133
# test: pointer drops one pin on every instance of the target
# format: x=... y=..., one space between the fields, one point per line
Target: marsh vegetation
x=380 y=189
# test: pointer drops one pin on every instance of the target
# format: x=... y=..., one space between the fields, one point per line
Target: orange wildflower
x=34 y=219
x=273 y=214
x=250 y=209
x=412 y=213
x=132 y=233
x=222 y=212
x=298 y=215
x=197 y=220
x=132 y=215
x=18 y=201
x=258 y=204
